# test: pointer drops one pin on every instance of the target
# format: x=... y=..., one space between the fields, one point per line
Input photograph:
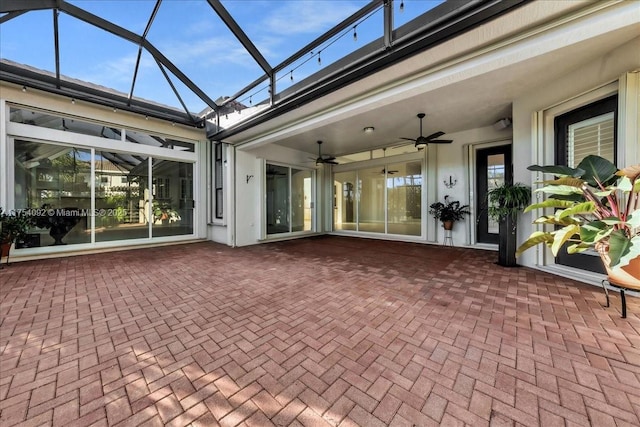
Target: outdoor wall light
x=24 y=88
x=451 y=183
x=369 y=129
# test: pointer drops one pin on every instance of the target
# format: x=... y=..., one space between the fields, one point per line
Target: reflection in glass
x=159 y=141
x=371 y=200
x=172 y=206
x=277 y=178
x=495 y=178
x=122 y=195
x=404 y=195
x=344 y=201
x=300 y=200
x=49 y=121
x=54 y=183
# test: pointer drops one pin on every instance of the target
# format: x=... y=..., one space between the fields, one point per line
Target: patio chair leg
x=623 y=303
x=606 y=292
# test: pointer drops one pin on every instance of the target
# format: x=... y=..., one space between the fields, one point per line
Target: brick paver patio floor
x=313 y=332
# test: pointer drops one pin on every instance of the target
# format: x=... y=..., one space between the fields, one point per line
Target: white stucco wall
x=249 y=184
x=451 y=162
x=585 y=78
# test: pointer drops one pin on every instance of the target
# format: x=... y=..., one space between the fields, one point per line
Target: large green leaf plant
x=595 y=204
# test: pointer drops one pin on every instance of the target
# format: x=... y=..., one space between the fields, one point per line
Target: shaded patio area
x=318 y=331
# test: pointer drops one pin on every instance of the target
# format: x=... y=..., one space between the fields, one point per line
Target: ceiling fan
x=431 y=139
x=324 y=159
x=388 y=172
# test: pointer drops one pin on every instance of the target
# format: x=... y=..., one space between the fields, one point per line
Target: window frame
x=217 y=181
x=596 y=108
x=561 y=124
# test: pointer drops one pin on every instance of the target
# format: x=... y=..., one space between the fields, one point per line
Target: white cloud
x=305 y=16
x=209 y=51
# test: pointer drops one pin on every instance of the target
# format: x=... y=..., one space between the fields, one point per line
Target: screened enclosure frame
x=395 y=44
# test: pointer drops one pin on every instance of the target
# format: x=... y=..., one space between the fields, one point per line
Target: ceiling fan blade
x=408 y=139
x=435 y=135
x=440 y=141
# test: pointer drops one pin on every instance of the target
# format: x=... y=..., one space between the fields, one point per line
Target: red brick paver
x=320 y=331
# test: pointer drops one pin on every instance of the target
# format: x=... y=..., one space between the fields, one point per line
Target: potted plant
x=503 y=204
x=448 y=212
x=163 y=212
x=596 y=205
x=59 y=221
x=13 y=226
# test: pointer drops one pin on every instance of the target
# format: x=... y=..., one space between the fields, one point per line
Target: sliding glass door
x=344 y=201
x=289 y=199
x=404 y=198
x=82 y=195
x=371 y=200
x=383 y=199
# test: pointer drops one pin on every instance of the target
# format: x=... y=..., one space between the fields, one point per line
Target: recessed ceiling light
x=369 y=129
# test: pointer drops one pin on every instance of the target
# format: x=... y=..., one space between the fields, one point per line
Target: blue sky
x=190 y=34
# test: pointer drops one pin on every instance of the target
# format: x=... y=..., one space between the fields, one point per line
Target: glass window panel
x=172 y=190
x=122 y=196
x=218 y=183
x=43 y=119
x=344 y=201
x=54 y=183
x=159 y=141
x=278 y=219
x=592 y=136
x=404 y=198
x=371 y=203
x=355 y=157
x=301 y=200
x=495 y=178
x=49 y=121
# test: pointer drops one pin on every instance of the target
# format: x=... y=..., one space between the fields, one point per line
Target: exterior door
x=493 y=168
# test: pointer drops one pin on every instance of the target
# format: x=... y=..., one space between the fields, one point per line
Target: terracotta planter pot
x=627 y=276
x=448 y=225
